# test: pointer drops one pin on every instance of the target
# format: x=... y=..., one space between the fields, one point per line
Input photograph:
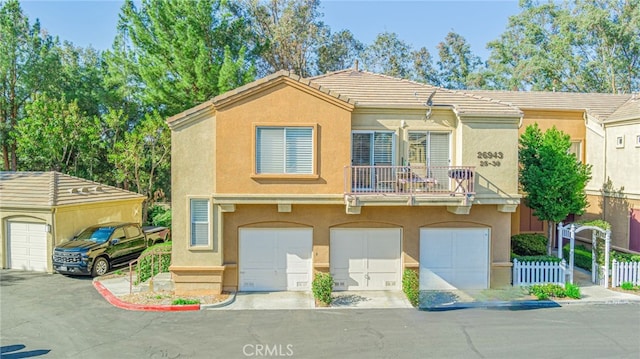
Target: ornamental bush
x=322 y=286
x=411 y=286
x=529 y=244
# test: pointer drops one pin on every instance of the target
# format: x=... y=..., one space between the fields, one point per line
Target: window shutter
x=199 y=222
x=383 y=149
x=299 y=150
x=439 y=149
x=270 y=153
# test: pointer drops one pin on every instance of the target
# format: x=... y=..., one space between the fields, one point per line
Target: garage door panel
x=275 y=259
x=27 y=246
x=454 y=258
x=365 y=259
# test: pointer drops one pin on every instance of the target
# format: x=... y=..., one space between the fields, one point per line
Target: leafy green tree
x=389 y=55
x=339 y=52
x=56 y=136
x=457 y=63
x=552 y=179
x=423 y=69
x=235 y=73
x=27 y=60
x=577 y=46
x=142 y=156
x=292 y=32
x=174 y=50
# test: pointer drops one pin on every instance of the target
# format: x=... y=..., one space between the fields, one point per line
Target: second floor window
x=284 y=150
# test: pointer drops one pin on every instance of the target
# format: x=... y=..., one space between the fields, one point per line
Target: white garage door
x=27 y=246
x=365 y=259
x=454 y=258
x=275 y=259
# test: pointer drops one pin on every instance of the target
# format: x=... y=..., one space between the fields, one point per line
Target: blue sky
x=419 y=23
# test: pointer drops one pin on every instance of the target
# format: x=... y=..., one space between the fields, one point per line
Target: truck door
x=118 y=245
x=137 y=240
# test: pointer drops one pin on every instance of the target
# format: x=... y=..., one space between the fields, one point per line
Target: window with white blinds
x=199 y=222
x=429 y=148
x=284 y=150
x=372 y=148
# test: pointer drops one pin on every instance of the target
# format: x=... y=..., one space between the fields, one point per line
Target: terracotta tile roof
x=629 y=111
x=51 y=189
x=222 y=98
x=598 y=105
x=374 y=90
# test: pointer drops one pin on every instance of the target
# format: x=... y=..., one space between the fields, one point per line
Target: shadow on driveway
x=15 y=352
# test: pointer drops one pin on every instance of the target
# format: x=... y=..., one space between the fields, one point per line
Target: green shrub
x=544 y=258
x=181 y=301
x=322 y=286
x=549 y=290
x=159 y=215
x=149 y=258
x=627 y=286
x=572 y=291
x=581 y=256
x=529 y=244
x=545 y=291
x=625 y=257
x=411 y=286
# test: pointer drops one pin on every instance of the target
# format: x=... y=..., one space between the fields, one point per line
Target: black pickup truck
x=101 y=247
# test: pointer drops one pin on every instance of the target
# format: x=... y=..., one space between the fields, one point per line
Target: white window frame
x=285 y=173
x=193 y=244
x=620 y=141
x=579 y=152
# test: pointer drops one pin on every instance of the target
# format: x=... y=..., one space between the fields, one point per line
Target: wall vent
x=390 y=283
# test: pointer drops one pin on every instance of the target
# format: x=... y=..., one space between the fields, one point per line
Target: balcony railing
x=413 y=180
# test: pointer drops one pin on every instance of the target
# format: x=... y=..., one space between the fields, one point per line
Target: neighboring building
x=614 y=191
x=603 y=130
x=39 y=210
x=353 y=173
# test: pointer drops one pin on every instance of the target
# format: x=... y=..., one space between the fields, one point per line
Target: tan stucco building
x=39 y=210
x=353 y=173
x=604 y=130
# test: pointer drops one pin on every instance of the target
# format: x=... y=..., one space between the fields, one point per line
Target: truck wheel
x=100 y=266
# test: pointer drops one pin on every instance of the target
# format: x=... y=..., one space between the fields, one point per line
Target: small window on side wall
x=620 y=142
x=199 y=210
x=637 y=140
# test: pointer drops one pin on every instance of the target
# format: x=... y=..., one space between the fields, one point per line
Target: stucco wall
x=623 y=162
x=282 y=105
x=492 y=149
x=69 y=220
x=410 y=219
x=193 y=160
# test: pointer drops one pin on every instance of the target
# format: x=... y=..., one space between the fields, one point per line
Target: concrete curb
x=117 y=302
x=224 y=303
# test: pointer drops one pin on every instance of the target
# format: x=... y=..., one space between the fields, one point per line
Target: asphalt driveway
x=53 y=316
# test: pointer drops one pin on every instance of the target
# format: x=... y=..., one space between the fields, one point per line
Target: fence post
x=614 y=274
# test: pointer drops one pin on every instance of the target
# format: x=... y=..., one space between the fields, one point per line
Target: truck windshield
x=98 y=235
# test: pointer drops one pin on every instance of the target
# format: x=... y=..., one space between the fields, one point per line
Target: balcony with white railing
x=409 y=185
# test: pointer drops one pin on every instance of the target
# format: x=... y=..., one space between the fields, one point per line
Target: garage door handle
x=366 y=276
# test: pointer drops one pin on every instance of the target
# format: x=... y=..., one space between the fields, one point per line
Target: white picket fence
x=625 y=272
x=530 y=273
